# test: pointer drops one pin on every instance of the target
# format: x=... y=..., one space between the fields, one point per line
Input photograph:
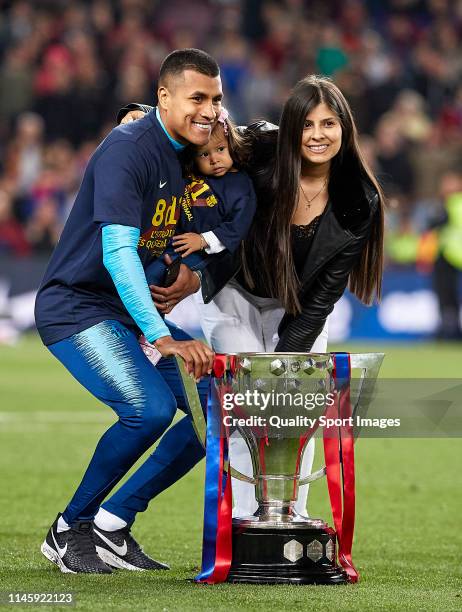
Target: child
x=222 y=206
x=220 y=203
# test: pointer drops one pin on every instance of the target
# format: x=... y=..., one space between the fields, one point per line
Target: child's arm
x=240 y=202
x=188 y=243
x=214 y=245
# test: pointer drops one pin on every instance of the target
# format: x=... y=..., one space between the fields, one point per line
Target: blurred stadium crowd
x=66 y=66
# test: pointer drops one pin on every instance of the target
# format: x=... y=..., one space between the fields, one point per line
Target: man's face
x=189 y=105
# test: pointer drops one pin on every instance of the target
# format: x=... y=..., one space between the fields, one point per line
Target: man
x=94 y=299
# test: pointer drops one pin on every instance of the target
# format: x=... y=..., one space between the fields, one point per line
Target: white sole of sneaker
x=114 y=561
x=54 y=557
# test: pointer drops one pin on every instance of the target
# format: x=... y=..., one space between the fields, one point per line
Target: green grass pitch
x=409 y=501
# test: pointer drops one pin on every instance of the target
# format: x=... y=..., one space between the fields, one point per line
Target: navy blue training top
x=224 y=205
x=133 y=178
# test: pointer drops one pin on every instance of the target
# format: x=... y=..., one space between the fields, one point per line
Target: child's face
x=213 y=159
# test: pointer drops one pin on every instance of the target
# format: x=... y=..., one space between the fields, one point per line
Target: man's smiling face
x=189 y=104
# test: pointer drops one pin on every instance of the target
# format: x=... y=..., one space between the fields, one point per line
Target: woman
x=316 y=184
x=318 y=228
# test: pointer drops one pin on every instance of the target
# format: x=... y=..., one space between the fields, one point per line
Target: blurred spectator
x=43 y=228
x=54 y=85
x=331 y=57
x=133 y=85
x=376 y=62
x=25 y=153
x=450 y=120
x=393 y=158
x=353 y=24
x=448 y=265
x=259 y=91
x=91 y=85
x=102 y=19
x=280 y=33
x=16 y=74
x=410 y=116
x=381 y=95
x=368 y=148
x=232 y=56
x=13 y=240
x=403 y=242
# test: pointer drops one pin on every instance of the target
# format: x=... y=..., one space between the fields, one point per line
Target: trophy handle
x=193 y=401
x=240 y=476
x=369 y=364
x=195 y=408
x=312 y=477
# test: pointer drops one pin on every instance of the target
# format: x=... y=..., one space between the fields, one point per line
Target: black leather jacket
x=335 y=250
x=337 y=245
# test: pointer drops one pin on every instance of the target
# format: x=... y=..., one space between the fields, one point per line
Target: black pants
x=445 y=283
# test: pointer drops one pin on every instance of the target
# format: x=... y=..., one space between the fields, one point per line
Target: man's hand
x=165 y=298
x=197 y=356
x=132 y=116
x=188 y=243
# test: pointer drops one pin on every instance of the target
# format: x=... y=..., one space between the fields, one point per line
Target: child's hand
x=188 y=243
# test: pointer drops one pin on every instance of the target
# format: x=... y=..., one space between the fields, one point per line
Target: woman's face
x=322 y=135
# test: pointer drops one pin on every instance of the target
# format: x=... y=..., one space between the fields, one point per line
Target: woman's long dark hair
x=270 y=238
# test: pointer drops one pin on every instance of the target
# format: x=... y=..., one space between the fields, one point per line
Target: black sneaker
x=73 y=550
x=120 y=549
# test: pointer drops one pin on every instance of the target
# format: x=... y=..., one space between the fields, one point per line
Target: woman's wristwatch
x=198 y=273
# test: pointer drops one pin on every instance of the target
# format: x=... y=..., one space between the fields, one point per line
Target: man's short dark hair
x=188 y=59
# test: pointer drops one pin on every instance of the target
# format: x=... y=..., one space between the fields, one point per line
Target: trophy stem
x=275 y=510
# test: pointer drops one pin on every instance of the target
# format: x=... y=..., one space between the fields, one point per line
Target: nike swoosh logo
x=61 y=551
x=120 y=550
x=161 y=184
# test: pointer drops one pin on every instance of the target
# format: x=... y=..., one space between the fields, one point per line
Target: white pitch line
x=54 y=416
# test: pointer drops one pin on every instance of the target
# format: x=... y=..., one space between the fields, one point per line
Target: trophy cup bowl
x=276 y=545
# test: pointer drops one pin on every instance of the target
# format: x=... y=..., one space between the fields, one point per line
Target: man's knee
x=181 y=436
x=154 y=416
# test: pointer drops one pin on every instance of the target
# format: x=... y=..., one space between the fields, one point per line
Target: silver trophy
x=276 y=544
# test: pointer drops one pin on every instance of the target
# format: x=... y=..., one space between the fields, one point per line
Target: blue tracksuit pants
x=108 y=361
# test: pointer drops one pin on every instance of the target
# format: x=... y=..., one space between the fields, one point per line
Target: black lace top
x=302 y=239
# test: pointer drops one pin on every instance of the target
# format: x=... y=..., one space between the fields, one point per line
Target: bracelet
x=204 y=243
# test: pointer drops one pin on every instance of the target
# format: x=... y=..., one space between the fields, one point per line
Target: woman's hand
x=165 y=298
x=188 y=243
x=132 y=115
x=197 y=356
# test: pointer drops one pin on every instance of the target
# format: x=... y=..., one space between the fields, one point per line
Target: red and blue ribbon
x=340 y=465
x=217 y=534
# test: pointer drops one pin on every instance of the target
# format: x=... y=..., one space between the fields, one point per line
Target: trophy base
x=284 y=556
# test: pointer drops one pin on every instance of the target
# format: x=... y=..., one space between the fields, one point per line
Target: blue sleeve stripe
x=120 y=258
